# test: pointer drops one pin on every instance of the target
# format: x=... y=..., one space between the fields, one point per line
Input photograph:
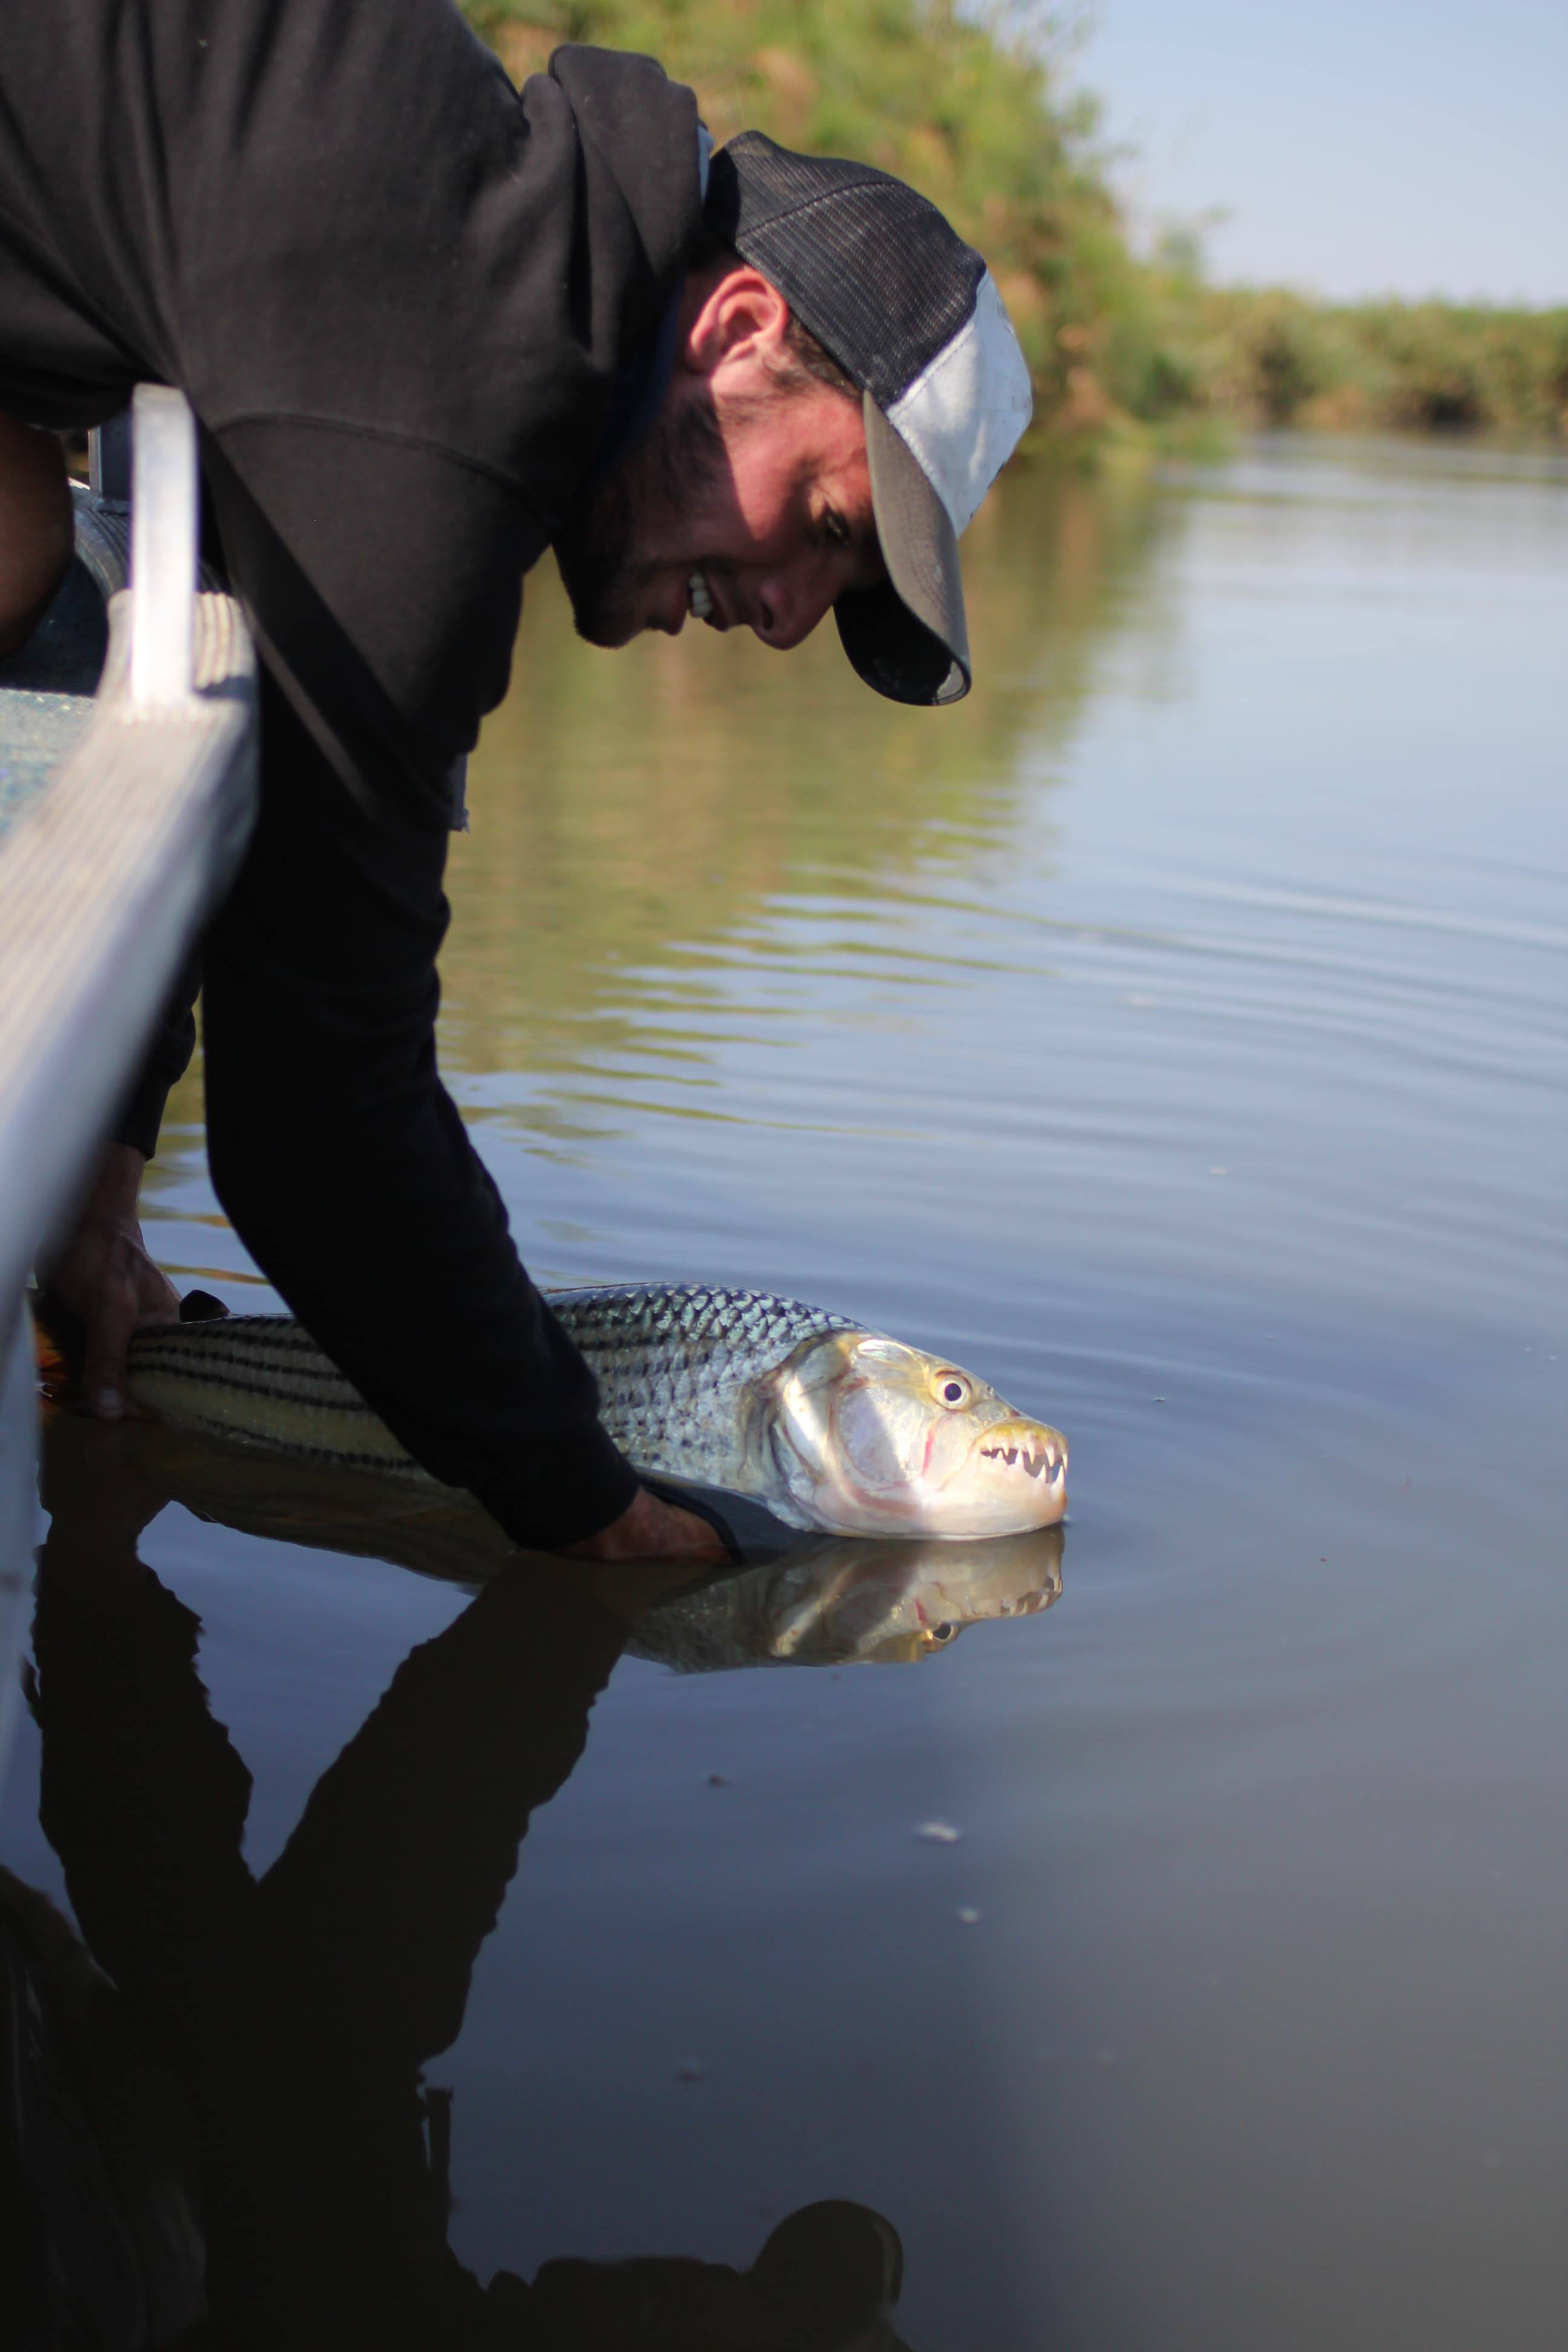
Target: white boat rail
x=105 y=880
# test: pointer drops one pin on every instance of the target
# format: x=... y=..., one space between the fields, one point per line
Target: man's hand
x=652 y=1529
x=103 y=1274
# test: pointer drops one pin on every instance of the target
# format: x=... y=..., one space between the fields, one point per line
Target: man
x=429 y=327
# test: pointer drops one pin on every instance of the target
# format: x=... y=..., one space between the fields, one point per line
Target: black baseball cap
x=912 y=315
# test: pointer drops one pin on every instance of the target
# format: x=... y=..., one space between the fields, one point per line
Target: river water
x=1176 y=1034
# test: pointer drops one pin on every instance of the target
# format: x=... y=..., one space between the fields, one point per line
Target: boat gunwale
x=106 y=880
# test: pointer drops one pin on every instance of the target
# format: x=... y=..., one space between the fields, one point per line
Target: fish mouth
x=1037 y=1459
x=860 y=1440
x=1029 y=1455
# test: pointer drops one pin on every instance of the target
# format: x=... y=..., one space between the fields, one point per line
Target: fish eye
x=940 y=1633
x=952 y=1389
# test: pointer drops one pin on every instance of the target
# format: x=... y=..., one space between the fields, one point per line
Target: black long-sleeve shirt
x=399 y=295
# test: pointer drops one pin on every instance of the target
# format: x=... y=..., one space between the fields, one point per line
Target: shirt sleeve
x=165 y=1062
x=335 y=1148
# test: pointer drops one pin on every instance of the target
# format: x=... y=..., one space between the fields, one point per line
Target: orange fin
x=57 y=1340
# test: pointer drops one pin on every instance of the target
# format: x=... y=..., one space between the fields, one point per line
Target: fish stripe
x=671 y=1361
x=683 y=1371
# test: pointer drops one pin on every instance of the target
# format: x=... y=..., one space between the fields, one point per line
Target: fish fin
x=201 y=1307
x=59 y=1342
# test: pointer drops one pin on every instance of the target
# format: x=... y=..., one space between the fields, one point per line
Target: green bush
x=1442 y=366
x=968 y=105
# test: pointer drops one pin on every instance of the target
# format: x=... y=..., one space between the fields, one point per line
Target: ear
x=730 y=322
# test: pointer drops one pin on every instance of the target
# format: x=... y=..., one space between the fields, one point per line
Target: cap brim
x=907 y=637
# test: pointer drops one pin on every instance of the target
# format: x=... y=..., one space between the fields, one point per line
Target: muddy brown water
x=1174 y=1033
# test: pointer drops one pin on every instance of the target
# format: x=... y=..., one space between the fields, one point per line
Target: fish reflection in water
x=844 y=1603
x=826 y=1601
x=290 y=2178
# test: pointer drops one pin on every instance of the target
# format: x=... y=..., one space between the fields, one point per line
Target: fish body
x=834 y=1427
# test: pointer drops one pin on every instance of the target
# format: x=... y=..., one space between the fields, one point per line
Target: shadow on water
x=222 y=2101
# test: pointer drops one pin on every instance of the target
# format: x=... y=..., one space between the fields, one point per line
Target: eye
x=954 y=1390
x=835 y=530
x=940 y=1633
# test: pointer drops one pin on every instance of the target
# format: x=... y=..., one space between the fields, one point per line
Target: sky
x=1380 y=148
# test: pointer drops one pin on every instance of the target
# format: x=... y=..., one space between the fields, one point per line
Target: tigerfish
x=834 y=1427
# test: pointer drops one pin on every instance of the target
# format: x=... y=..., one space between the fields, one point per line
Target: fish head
x=890 y=1600
x=868 y=1438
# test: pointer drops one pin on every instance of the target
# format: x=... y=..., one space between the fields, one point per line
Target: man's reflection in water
x=296 y=2010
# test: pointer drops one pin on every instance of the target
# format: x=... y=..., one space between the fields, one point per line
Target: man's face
x=748 y=504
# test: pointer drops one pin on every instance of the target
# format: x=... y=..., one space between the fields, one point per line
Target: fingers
x=684 y=1511
x=111 y=1319
x=103 y=1276
x=158 y=1301
x=690 y=1537
x=653 y=1529
x=687 y=1536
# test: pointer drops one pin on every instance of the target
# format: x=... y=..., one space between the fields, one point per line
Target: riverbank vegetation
x=972 y=107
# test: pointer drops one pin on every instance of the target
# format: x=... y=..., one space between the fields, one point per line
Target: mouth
x=1040 y=1453
x=700 y=598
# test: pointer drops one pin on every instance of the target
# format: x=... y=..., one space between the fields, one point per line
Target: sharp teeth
x=1048 y=1463
x=701 y=602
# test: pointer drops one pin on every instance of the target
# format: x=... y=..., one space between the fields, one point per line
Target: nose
x=788 y=608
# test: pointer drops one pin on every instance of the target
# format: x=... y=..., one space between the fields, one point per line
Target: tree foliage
x=971 y=106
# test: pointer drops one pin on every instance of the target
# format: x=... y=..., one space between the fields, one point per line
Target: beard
x=614 y=543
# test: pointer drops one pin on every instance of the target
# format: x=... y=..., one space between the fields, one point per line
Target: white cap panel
x=964 y=413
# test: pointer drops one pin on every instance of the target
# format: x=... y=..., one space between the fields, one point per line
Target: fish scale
x=835 y=1427
x=672 y=1361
